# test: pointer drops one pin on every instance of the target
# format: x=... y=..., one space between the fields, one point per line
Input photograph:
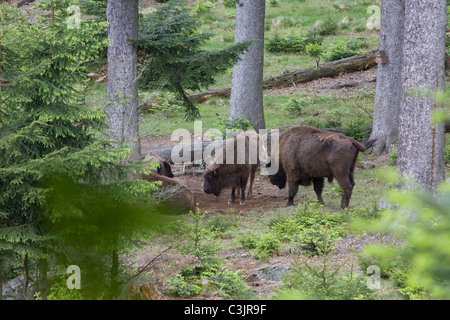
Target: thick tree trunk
x=246 y=99
x=420 y=142
x=121 y=89
x=389 y=76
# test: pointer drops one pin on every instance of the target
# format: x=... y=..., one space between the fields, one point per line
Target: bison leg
x=346 y=184
x=233 y=195
x=243 y=185
x=252 y=177
x=318 y=187
x=293 y=188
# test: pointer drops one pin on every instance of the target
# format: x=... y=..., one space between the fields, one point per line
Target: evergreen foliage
x=171 y=54
x=60 y=184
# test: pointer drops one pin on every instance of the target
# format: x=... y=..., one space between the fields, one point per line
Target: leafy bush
x=229 y=283
x=291 y=43
x=357 y=128
x=297 y=106
x=266 y=246
x=235 y=125
x=247 y=241
x=328 y=27
x=221 y=225
x=323 y=281
x=179 y=286
x=343 y=49
x=309 y=225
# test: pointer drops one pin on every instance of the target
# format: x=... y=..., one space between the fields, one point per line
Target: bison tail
x=365 y=145
x=369 y=143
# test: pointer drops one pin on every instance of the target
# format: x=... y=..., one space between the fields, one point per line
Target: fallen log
x=356 y=63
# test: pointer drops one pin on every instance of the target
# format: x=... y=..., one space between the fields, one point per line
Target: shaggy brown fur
x=234 y=175
x=175 y=196
x=307 y=155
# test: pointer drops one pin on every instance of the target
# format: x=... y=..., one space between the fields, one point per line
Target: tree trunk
x=389 y=76
x=121 y=89
x=43 y=280
x=246 y=99
x=420 y=142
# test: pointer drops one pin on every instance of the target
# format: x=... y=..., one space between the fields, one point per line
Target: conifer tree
x=52 y=159
x=170 y=45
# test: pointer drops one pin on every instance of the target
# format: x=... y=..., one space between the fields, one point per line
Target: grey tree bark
x=121 y=89
x=420 y=142
x=389 y=76
x=246 y=99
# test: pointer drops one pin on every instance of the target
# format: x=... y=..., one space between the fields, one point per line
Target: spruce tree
x=54 y=157
x=170 y=43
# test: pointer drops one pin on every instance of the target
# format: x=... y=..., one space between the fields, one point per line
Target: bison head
x=278 y=179
x=211 y=182
x=165 y=169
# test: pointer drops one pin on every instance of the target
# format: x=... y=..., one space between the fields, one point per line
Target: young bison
x=308 y=155
x=220 y=174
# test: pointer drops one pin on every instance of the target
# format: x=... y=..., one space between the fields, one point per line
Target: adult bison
x=234 y=172
x=307 y=155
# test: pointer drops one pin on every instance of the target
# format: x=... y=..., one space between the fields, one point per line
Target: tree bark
x=121 y=89
x=246 y=98
x=389 y=76
x=420 y=142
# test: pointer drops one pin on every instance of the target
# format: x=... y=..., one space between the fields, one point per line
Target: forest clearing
x=87 y=93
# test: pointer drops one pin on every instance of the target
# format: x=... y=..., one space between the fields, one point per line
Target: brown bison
x=164 y=168
x=236 y=172
x=307 y=155
x=172 y=195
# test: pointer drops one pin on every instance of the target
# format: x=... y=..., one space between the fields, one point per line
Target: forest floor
x=266 y=199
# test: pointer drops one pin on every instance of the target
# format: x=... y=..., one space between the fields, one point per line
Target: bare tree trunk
x=420 y=142
x=389 y=76
x=121 y=89
x=246 y=98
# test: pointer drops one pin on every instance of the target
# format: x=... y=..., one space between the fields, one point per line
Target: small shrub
x=229 y=283
x=247 y=241
x=229 y=3
x=328 y=27
x=343 y=49
x=297 y=106
x=289 y=44
x=234 y=125
x=315 y=50
x=203 y=6
x=323 y=281
x=393 y=156
x=221 y=225
x=180 y=287
x=266 y=246
x=357 y=128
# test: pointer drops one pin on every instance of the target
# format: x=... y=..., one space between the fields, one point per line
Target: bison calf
x=234 y=173
x=307 y=155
